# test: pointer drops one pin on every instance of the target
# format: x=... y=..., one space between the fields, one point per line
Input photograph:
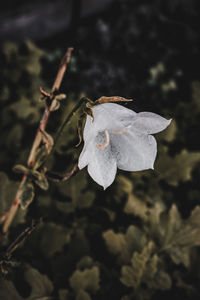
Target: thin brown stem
x=43 y=123
x=56 y=177
x=45 y=117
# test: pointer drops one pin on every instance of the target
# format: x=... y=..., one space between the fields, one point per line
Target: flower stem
x=68 y=118
x=43 y=123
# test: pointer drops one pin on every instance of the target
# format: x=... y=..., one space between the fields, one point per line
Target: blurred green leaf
x=41 y=287
x=179 y=236
x=76 y=190
x=83 y=295
x=133 y=276
x=8 y=190
x=52 y=239
x=87 y=280
x=178 y=168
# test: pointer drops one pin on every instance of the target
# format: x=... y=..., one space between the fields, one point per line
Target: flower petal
x=107 y=116
x=134 y=151
x=102 y=165
x=150 y=123
x=84 y=157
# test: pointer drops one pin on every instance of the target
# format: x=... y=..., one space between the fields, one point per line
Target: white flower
x=119 y=138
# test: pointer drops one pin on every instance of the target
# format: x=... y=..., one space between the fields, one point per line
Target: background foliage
x=139 y=239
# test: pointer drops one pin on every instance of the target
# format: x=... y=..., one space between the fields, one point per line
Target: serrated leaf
x=144 y=270
x=87 y=280
x=128 y=276
x=180 y=236
x=176 y=169
x=161 y=281
x=173 y=224
x=133 y=276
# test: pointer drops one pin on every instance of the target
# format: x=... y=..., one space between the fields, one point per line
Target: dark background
x=145 y=50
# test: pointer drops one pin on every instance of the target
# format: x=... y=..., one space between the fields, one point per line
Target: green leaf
x=161 y=281
x=83 y=295
x=21 y=169
x=86 y=262
x=137 y=207
x=56 y=102
x=40 y=284
x=76 y=189
x=128 y=276
x=41 y=180
x=26 y=194
x=115 y=242
x=176 y=169
x=55 y=105
x=25 y=110
x=40 y=157
x=124 y=245
x=52 y=239
x=135 y=238
x=144 y=270
x=8 y=190
x=124 y=187
x=41 y=287
x=179 y=236
x=134 y=275
x=87 y=280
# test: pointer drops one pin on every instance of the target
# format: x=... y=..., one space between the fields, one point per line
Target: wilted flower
x=118 y=137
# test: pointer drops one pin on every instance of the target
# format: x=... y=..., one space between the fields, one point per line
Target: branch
x=43 y=123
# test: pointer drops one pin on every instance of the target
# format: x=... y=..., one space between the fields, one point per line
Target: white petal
x=134 y=151
x=84 y=157
x=102 y=165
x=107 y=116
x=150 y=123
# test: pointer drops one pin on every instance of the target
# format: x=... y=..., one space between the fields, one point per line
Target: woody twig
x=38 y=138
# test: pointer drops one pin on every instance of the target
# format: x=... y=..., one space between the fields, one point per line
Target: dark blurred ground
x=95 y=244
